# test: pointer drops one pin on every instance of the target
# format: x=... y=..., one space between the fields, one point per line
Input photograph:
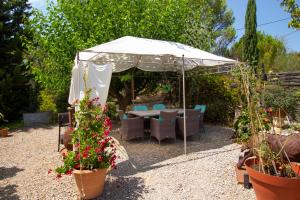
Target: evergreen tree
x=14 y=89
x=250 y=50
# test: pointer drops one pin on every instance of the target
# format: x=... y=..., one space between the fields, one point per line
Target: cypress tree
x=14 y=89
x=250 y=50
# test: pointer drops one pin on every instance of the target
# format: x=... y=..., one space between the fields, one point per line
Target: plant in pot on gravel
x=94 y=150
x=272 y=173
x=3 y=129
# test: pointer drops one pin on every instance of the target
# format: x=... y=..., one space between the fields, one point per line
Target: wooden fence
x=287 y=79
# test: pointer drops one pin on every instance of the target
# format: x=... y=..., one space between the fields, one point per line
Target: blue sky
x=267 y=11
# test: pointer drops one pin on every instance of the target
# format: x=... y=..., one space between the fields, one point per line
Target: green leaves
x=269 y=49
x=292 y=7
x=74 y=25
x=250 y=50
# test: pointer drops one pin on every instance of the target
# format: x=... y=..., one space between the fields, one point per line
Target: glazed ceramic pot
x=272 y=187
x=90 y=183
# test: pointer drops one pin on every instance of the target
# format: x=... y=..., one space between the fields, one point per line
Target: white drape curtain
x=98 y=79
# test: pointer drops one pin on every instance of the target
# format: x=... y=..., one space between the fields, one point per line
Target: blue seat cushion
x=202 y=108
x=159 y=106
x=125 y=117
x=140 y=108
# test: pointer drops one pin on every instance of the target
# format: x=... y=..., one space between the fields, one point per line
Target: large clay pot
x=3 y=132
x=90 y=183
x=269 y=187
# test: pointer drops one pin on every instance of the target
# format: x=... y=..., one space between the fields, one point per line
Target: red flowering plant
x=93 y=147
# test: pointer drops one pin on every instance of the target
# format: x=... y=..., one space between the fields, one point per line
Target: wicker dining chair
x=163 y=127
x=201 y=110
x=63 y=121
x=131 y=127
x=192 y=123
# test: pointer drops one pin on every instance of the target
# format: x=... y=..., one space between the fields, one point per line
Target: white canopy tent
x=99 y=62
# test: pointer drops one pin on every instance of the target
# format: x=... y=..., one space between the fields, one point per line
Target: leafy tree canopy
x=73 y=25
x=269 y=49
x=292 y=6
x=14 y=78
x=287 y=62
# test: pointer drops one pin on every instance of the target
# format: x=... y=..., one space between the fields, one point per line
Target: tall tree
x=14 y=90
x=250 y=50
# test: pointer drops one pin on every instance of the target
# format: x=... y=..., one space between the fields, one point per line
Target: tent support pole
x=179 y=95
x=132 y=87
x=183 y=97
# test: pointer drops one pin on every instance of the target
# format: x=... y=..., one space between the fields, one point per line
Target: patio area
x=145 y=169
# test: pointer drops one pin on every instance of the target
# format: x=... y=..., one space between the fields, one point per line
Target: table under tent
x=99 y=62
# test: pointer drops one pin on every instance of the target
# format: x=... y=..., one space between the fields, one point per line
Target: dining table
x=153 y=113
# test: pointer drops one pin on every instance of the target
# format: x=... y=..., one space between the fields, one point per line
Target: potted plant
x=272 y=174
x=94 y=151
x=3 y=130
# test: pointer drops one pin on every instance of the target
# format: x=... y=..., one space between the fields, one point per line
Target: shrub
x=47 y=102
x=278 y=97
x=215 y=92
x=242 y=127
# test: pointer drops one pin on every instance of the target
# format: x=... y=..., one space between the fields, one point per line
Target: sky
x=267 y=11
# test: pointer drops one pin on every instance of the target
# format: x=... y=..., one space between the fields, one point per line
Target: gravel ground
x=145 y=170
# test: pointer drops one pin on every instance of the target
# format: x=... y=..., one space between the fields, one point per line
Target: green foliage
x=112 y=110
x=2 y=120
x=269 y=48
x=47 y=102
x=287 y=63
x=215 y=92
x=292 y=7
x=165 y=88
x=278 y=97
x=253 y=94
x=250 y=50
x=1 y=117
x=73 y=25
x=14 y=77
x=242 y=127
x=94 y=147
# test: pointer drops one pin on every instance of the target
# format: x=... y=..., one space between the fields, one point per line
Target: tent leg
x=179 y=95
x=132 y=87
x=183 y=97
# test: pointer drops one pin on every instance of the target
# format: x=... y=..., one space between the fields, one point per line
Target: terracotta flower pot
x=3 y=132
x=272 y=187
x=90 y=183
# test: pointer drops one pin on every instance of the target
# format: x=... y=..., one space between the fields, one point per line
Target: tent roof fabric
x=150 y=55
